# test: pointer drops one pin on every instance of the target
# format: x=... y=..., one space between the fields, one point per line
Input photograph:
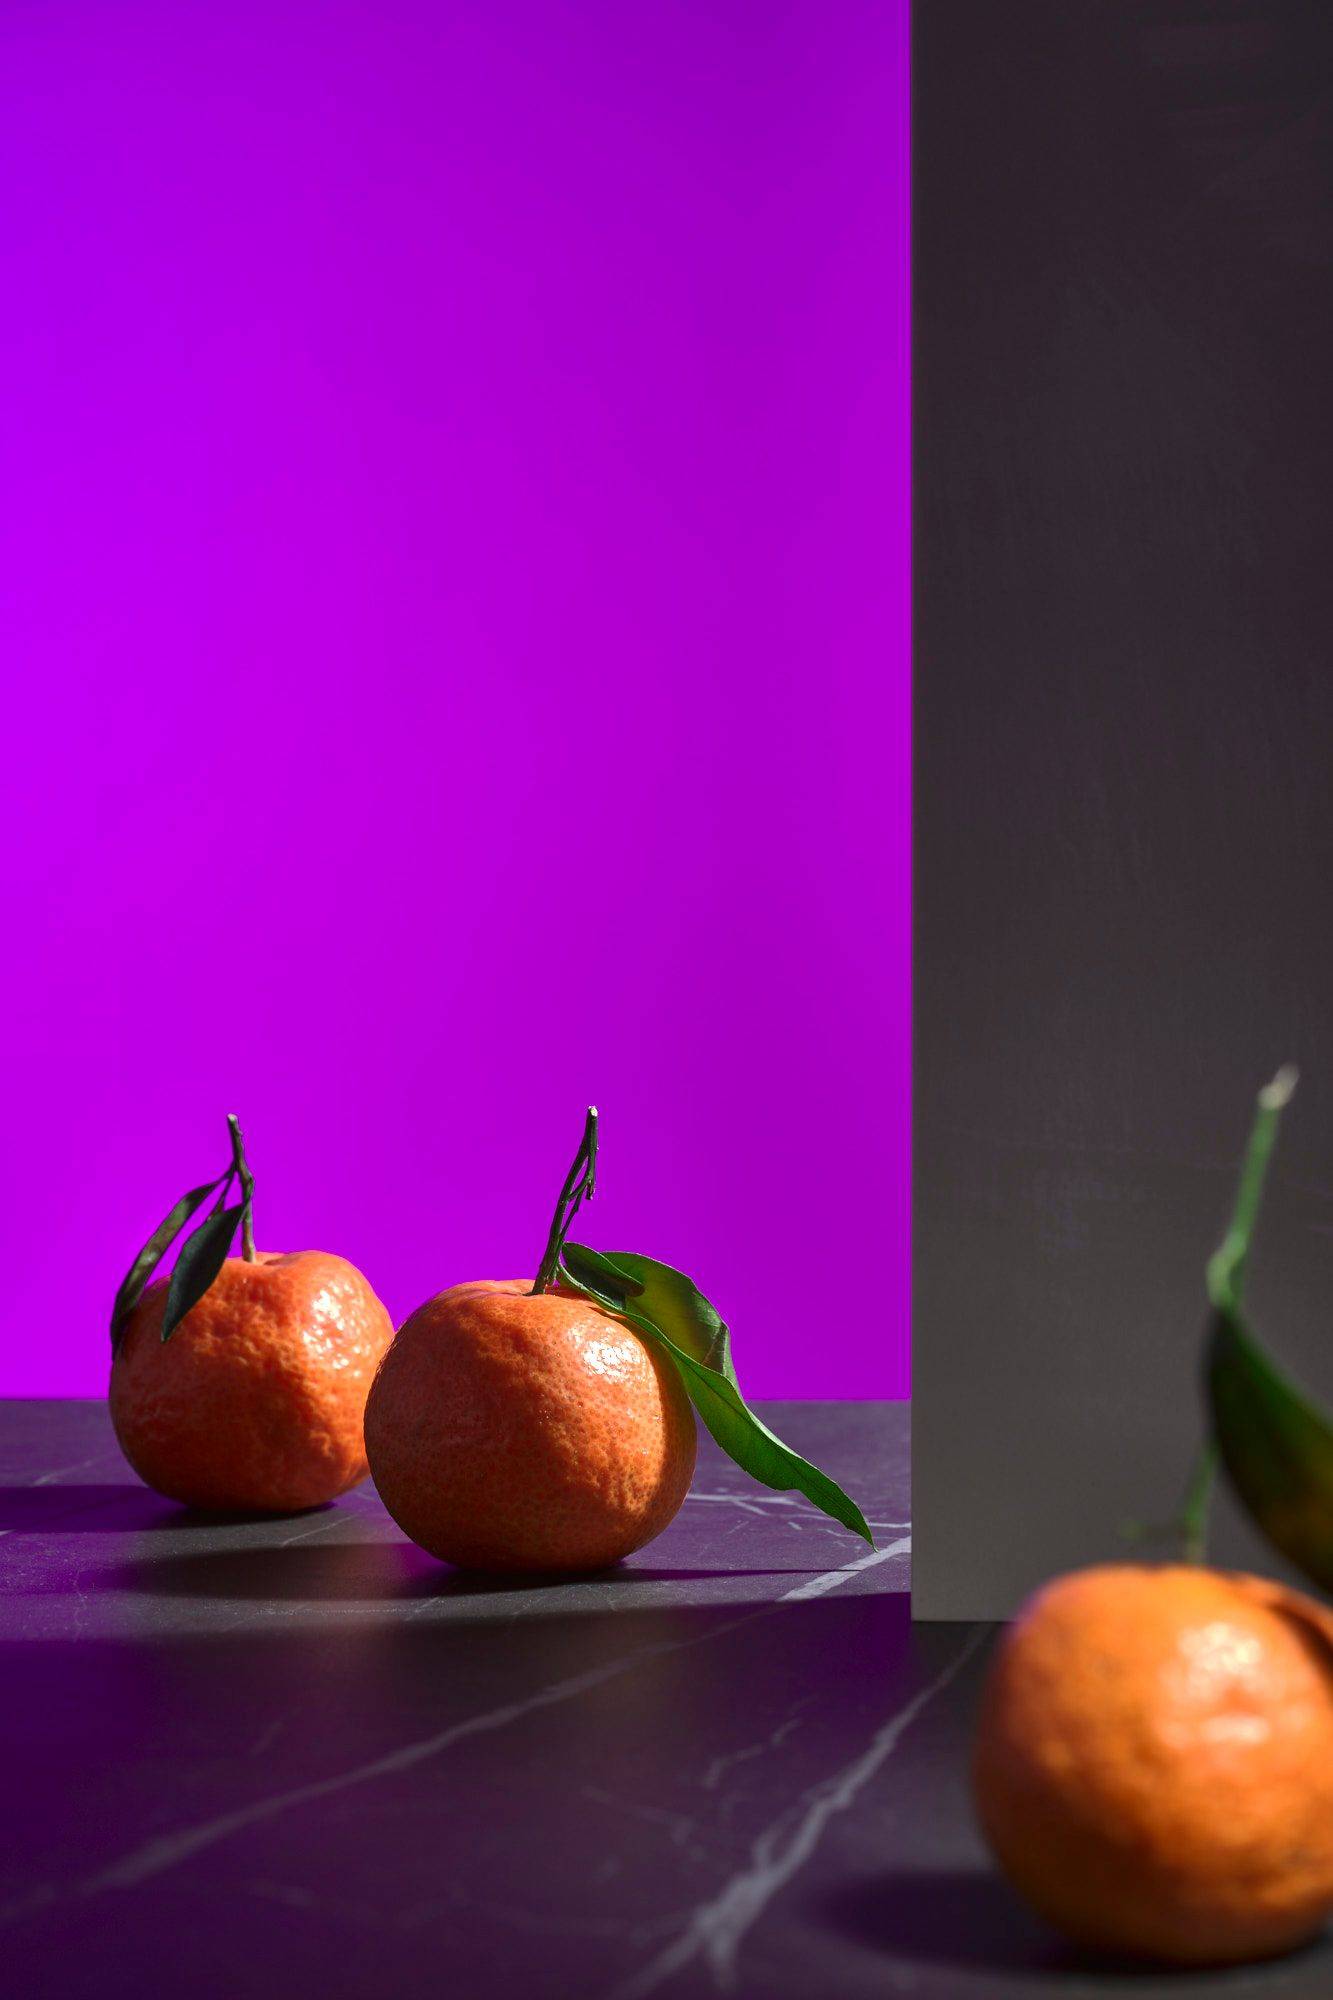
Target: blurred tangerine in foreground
x=1153 y=1765
x=257 y=1400
x=509 y=1429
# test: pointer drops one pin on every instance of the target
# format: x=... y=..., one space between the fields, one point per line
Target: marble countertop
x=298 y=1756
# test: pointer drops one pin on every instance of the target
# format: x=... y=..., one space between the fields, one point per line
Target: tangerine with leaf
x=240 y=1384
x=549 y=1424
x=1153 y=1765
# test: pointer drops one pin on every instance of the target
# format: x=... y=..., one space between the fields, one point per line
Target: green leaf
x=601 y=1272
x=1276 y=1445
x=200 y=1260
x=673 y=1301
x=148 y=1259
x=624 y=1285
x=1274 y=1441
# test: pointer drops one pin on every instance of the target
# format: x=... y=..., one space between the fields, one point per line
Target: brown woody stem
x=247 y=1181
x=580 y=1184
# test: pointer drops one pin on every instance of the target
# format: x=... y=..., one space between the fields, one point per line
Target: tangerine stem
x=1187 y=1529
x=242 y=1169
x=580 y=1185
x=1226 y=1267
x=1198 y=1498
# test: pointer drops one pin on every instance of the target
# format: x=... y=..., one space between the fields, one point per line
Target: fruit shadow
x=364 y=1572
x=969 y=1920
x=110 y=1509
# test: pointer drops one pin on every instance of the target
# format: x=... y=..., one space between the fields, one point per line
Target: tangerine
x=256 y=1401
x=510 y=1429
x=1153 y=1766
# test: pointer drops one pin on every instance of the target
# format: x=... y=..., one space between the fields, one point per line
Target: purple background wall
x=456 y=622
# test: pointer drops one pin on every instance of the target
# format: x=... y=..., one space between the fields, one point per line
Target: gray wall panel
x=1124 y=747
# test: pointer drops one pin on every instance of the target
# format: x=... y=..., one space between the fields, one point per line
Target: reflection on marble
x=265 y=1757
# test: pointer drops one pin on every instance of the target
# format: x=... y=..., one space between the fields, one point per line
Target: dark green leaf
x=601 y=1272
x=1276 y=1444
x=200 y=1261
x=148 y=1259
x=741 y=1434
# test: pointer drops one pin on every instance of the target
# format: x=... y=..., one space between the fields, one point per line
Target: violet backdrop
x=456 y=624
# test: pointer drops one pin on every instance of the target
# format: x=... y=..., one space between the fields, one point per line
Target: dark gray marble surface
x=268 y=1758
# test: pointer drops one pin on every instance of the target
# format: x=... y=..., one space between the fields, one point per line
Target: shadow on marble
x=359 y=1572
x=111 y=1509
x=970 y=1919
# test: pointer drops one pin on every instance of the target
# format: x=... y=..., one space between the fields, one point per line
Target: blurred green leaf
x=1275 y=1442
